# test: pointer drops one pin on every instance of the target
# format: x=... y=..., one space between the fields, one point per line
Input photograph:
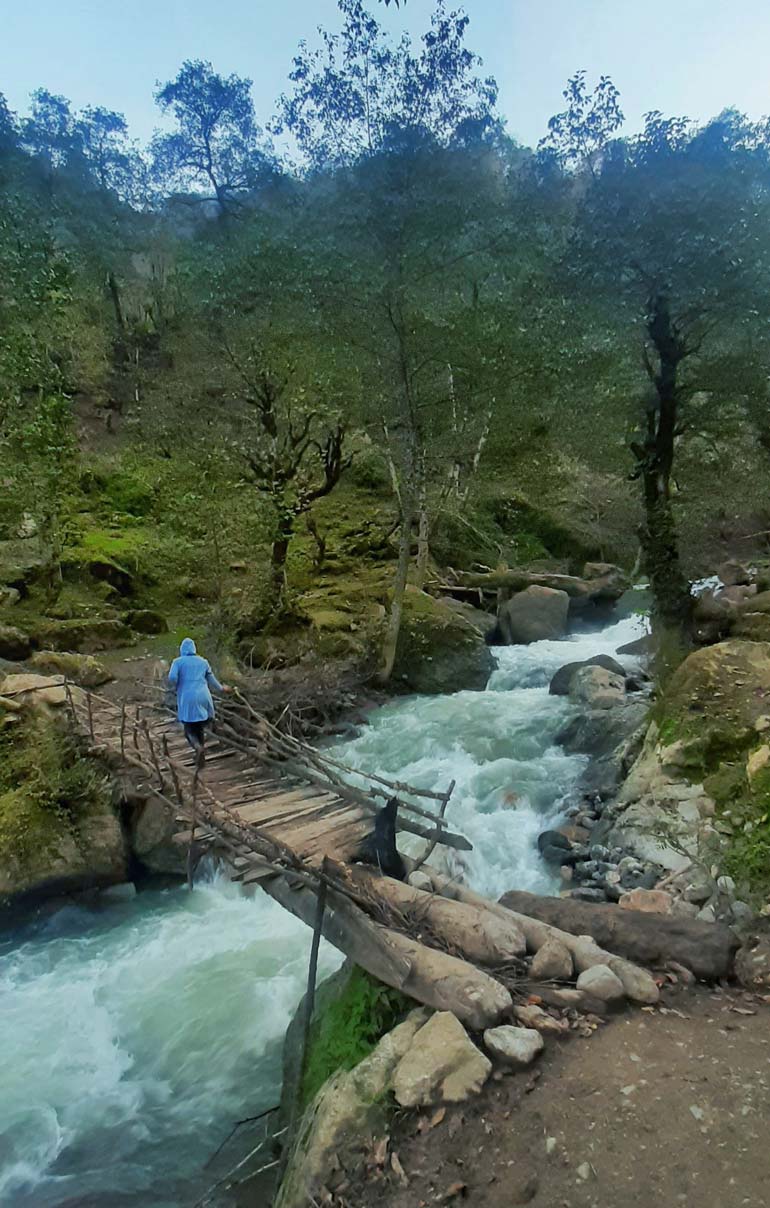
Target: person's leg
x=194 y=732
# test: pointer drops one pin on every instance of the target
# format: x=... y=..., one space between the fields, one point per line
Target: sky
x=687 y=58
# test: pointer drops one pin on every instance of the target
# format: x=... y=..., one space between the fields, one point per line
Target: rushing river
x=136 y=1034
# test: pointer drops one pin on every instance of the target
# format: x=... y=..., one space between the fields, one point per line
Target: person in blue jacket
x=193 y=680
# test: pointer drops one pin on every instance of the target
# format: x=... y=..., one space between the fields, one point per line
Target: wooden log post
x=433 y=978
x=639 y=984
x=472 y=932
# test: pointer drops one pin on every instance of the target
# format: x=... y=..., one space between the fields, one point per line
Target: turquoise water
x=135 y=1037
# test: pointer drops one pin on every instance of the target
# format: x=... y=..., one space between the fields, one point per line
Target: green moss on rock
x=82 y=669
x=438 y=649
x=349 y=1027
x=714 y=714
x=57 y=824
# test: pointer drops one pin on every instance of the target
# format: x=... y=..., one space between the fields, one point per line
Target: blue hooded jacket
x=193 y=678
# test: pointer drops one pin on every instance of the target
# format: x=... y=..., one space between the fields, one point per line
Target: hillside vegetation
x=252 y=396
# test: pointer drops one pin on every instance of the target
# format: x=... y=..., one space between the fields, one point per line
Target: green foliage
x=349 y=1029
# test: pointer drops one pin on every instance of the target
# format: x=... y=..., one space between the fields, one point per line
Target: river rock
x=561 y=681
x=600 y=982
x=533 y=615
x=651 y=901
x=515 y=1047
x=346 y=1114
x=552 y=962
x=734 y=573
x=442 y=1065
x=586 y=893
x=597 y=687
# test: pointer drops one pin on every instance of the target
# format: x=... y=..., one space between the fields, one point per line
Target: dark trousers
x=195 y=733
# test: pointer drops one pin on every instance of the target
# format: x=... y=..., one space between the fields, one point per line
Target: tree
x=578 y=137
x=104 y=145
x=217 y=146
x=36 y=433
x=671 y=229
x=359 y=94
x=49 y=132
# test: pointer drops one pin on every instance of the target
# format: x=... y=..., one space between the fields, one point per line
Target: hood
x=187 y=647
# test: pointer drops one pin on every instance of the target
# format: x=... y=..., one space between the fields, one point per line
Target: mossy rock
x=22 y=563
x=82 y=669
x=14 y=643
x=352 y=1011
x=714 y=714
x=101 y=570
x=58 y=828
x=753 y=626
x=438 y=649
x=713 y=702
x=83 y=636
x=146 y=620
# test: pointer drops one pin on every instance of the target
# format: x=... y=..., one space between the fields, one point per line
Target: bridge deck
x=264 y=797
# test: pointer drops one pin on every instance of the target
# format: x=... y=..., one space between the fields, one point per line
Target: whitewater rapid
x=136 y=1034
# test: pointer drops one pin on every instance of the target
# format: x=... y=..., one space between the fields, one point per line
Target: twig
x=239 y=1124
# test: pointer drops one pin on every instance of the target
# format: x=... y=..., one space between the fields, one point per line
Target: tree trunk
x=423 y=545
x=651 y=939
x=433 y=978
x=390 y=644
x=278 y=554
x=670 y=589
x=655 y=458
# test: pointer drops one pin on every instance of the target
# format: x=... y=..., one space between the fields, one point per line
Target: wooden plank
x=257 y=811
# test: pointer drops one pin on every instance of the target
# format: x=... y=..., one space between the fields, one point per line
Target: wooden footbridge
x=292 y=818
x=264 y=800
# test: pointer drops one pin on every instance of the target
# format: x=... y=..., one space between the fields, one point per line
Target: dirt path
x=664 y=1107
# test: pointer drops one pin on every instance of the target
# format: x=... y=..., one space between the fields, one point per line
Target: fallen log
x=433 y=978
x=707 y=949
x=638 y=984
x=519 y=580
x=475 y=933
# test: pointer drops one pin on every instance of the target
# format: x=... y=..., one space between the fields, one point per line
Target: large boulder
x=82 y=635
x=82 y=669
x=442 y=1065
x=146 y=620
x=15 y=645
x=347 y=1114
x=59 y=830
x=562 y=679
x=534 y=614
x=597 y=688
x=438 y=649
x=692 y=766
x=606 y=581
x=35 y=691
